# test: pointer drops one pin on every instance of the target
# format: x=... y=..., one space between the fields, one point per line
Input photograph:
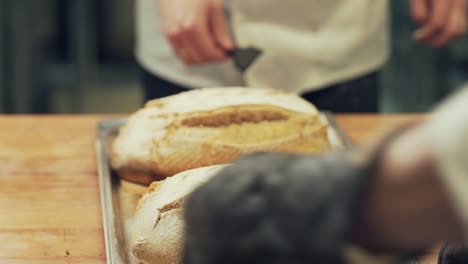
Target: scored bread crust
x=217 y=136
x=157 y=229
x=214 y=126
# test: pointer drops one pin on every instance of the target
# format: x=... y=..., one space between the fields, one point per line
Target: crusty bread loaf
x=214 y=126
x=158 y=227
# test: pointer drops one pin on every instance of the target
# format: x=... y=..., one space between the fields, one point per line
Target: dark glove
x=453 y=254
x=276 y=208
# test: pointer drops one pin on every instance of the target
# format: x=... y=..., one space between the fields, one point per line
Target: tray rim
x=104 y=129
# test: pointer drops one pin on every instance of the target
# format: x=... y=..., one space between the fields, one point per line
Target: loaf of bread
x=157 y=231
x=214 y=126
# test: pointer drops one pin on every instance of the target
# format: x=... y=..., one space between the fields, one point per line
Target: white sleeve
x=449 y=125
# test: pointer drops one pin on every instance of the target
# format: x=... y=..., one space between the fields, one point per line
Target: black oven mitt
x=453 y=253
x=276 y=208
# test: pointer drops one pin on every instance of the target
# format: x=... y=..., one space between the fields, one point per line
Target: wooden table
x=49 y=197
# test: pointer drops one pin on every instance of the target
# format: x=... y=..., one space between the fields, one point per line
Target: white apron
x=307 y=44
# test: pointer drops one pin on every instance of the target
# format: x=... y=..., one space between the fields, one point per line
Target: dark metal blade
x=244 y=57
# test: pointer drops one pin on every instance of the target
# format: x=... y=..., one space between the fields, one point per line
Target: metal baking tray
x=119 y=198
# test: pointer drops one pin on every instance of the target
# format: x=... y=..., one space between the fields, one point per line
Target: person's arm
x=408 y=206
x=440 y=21
x=419 y=193
x=196 y=29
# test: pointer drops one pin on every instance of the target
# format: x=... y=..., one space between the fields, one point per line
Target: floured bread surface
x=222 y=135
x=214 y=126
x=158 y=229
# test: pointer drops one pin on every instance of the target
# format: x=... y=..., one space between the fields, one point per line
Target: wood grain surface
x=49 y=195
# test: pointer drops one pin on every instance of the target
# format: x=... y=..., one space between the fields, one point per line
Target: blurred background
x=76 y=56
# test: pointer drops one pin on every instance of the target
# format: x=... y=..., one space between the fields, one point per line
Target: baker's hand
x=196 y=29
x=441 y=21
